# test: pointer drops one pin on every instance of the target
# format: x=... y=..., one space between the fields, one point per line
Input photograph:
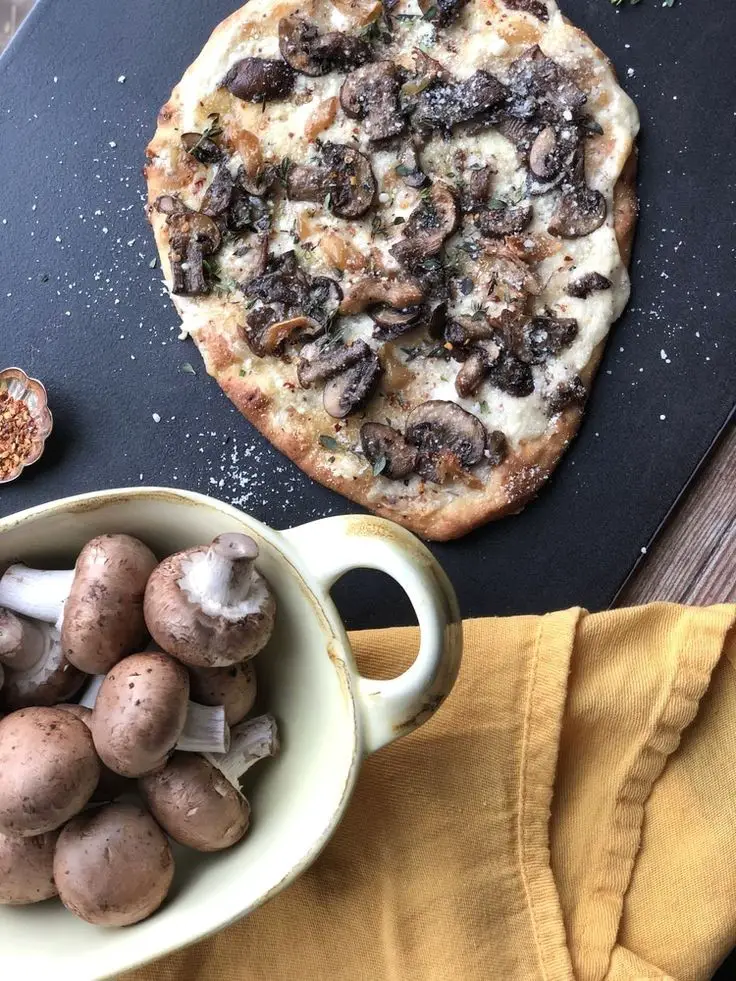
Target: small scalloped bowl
x=31 y=391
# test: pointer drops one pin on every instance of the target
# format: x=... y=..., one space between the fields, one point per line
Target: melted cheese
x=487 y=35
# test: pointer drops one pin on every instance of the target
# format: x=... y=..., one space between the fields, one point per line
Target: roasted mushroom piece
x=320 y=361
x=201 y=147
x=544 y=157
x=409 y=168
x=441 y=12
x=433 y=221
x=390 y=322
x=440 y=107
x=374 y=290
x=192 y=236
x=259 y=80
x=499 y=222
x=476 y=188
x=343 y=180
x=542 y=337
x=477 y=366
x=351 y=389
x=497 y=448
x=387 y=451
x=536 y=8
x=444 y=433
x=311 y=53
x=580 y=211
x=372 y=93
x=540 y=86
x=512 y=375
x=228 y=199
x=586 y=284
x=567 y=395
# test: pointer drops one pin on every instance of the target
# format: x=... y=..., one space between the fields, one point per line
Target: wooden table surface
x=694 y=558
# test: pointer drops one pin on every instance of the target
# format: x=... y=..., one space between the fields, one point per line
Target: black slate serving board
x=82 y=309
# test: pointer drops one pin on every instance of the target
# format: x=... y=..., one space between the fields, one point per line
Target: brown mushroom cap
x=113 y=866
x=579 y=212
x=208 y=606
x=27 y=869
x=48 y=770
x=351 y=389
x=18 y=647
x=259 y=80
x=49 y=680
x=499 y=222
x=318 y=362
x=110 y=785
x=372 y=92
x=103 y=616
x=433 y=221
x=441 y=12
x=381 y=442
x=196 y=803
x=139 y=714
x=311 y=53
x=436 y=427
x=373 y=290
x=234 y=688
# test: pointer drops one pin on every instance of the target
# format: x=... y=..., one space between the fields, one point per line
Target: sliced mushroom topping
x=437 y=428
x=434 y=220
x=443 y=106
x=588 y=283
x=512 y=375
x=218 y=195
x=373 y=290
x=409 y=168
x=259 y=183
x=499 y=222
x=201 y=147
x=580 y=211
x=544 y=160
x=259 y=80
x=311 y=53
x=539 y=83
x=476 y=368
x=477 y=188
x=572 y=393
x=463 y=332
x=541 y=338
x=169 y=204
x=390 y=322
x=343 y=180
x=553 y=157
x=348 y=391
x=372 y=93
x=534 y=7
x=386 y=448
x=520 y=132
x=441 y=12
x=497 y=448
x=286 y=303
x=192 y=236
x=318 y=361
x=428 y=70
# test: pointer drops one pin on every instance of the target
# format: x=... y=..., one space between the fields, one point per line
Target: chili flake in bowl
x=25 y=422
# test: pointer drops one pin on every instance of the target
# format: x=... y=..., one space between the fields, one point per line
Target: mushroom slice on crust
x=209 y=606
x=567 y=395
x=318 y=362
x=351 y=389
x=440 y=107
x=499 y=222
x=441 y=12
x=192 y=236
x=113 y=866
x=98 y=605
x=477 y=188
x=343 y=180
x=373 y=290
x=48 y=770
x=536 y=8
x=372 y=93
x=201 y=147
x=477 y=367
x=259 y=80
x=311 y=53
x=390 y=322
x=512 y=375
x=437 y=428
x=542 y=337
x=27 y=869
x=539 y=85
x=197 y=799
x=586 y=284
x=409 y=168
x=580 y=211
x=387 y=451
x=433 y=221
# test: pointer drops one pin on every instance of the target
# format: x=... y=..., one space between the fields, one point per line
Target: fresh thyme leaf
x=411 y=353
x=496 y=204
x=187 y=369
x=377 y=225
x=282 y=170
x=328 y=200
x=399 y=220
x=329 y=443
x=431 y=13
x=402 y=170
x=153 y=263
x=483 y=406
x=379 y=466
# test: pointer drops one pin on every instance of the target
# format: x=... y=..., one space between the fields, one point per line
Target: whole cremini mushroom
x=48 y=770
x=233 y=688
x=208 y=606
x=111 y=785
x=36 y=673
x=197 y=800
x=140 y=713
x=98 y=605
x=113 y=866
x=27 y=869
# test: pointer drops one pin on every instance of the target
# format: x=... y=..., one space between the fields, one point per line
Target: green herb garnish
x=187 y=369
x=431 y=13
x=379 y=466
x=329 y=443
x=153 y=263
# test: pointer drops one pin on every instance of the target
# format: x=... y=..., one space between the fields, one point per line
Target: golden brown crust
x=436 y=513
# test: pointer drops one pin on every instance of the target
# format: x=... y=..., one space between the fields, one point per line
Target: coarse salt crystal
x=156 y=417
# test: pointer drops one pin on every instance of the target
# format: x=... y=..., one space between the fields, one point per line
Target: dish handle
x=392 y=708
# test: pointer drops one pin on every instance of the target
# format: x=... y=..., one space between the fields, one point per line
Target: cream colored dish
x=330 y=717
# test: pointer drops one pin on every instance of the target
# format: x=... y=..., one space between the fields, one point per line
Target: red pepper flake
x=17 y=434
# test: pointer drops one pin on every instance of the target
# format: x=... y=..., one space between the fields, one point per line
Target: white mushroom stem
x=24 y=643
x=223 y=581
x=36 y=593
x=205 y=729
x=251 y=741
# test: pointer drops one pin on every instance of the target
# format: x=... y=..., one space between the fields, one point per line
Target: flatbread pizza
x=398 y=234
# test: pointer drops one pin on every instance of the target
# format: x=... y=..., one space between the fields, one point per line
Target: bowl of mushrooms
x=181 y=717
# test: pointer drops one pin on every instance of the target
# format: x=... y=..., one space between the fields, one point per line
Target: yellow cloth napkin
x=568 y=815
